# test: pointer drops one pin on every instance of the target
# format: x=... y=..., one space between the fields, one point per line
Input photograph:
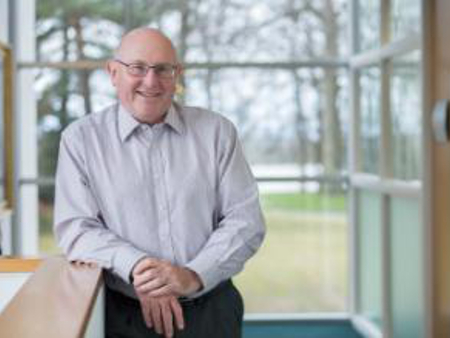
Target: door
x=437 y=180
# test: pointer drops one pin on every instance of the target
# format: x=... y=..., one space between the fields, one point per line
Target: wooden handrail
x=15 y=264
x=56 y=301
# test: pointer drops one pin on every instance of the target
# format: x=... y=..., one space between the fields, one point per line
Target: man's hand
x=159 y=278
x=162 y=313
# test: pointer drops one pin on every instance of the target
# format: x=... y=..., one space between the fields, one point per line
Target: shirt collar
x=174 y=119
x=127 y=123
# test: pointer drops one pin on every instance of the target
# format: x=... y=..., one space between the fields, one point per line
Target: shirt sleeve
x=78 y=225
x=240 y=228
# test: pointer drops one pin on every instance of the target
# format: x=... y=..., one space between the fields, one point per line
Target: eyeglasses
x=162 y=70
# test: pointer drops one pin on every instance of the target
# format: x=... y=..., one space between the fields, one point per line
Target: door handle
x=440 y=119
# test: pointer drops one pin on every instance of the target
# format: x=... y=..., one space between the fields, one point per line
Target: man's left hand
x=158 y=278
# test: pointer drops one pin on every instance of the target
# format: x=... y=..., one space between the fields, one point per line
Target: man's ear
x=180 y=70
x=111 y=68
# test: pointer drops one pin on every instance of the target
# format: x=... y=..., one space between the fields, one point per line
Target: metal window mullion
x=392 y=187
x=386 y=264
x=390 y=49
x=385 y=144
x=385 y=20
x=386 y=170
x=354 y=163
x=354 y=166
x=99 y=64
x=429 y=272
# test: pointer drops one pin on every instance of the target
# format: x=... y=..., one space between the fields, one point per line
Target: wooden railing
x=57 y=300
x=14 y=264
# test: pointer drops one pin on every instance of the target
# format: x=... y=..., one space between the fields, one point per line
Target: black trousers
x=217 y=314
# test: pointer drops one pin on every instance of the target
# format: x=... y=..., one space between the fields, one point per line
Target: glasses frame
x=147 y=67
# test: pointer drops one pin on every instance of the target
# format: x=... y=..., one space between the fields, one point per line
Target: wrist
x=133 y=269
x=195 y=281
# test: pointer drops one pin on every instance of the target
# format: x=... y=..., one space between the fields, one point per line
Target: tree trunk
x=64 y=87
x=331 y=142
x=83 y=74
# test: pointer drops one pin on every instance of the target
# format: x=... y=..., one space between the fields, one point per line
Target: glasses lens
x=137 y=70
x=164 y=70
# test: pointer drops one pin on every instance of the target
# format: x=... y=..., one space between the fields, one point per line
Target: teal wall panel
x=300 y=329
x=406 y=268
x=369 y=257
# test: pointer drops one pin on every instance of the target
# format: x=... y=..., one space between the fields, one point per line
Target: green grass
x=304 y=201
x=302 y=265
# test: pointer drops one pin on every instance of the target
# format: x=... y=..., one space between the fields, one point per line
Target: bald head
x=147 y=96
x=150 y=40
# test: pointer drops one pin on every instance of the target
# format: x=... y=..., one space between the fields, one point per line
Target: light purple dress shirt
x=180 y=191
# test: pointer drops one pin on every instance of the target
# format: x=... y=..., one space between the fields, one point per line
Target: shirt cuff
x=125 y=260
x=210 y=277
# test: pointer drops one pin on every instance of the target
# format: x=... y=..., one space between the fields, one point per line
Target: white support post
x=26 y=227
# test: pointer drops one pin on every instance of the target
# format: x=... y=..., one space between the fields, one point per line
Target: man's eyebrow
x=139 y=61
x=147 y=63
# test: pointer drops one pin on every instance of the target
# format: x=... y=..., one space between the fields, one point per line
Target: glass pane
x=368 y=16
x=47 y=243
x=76 y=30
x=405 y=17
x=291 y=118
x=369 y=301
x=263 y=30
x=302 y=266
x=408 y=314
x=64 y=96
x=248 y=30
x=406 y=112
x=369 y=82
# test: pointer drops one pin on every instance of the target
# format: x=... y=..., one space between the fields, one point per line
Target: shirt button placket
x=164 y=226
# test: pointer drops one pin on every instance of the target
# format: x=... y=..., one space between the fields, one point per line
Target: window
x=276 y=71
x=387 y=177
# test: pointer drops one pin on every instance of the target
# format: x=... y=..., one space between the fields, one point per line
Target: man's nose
x=151 y=78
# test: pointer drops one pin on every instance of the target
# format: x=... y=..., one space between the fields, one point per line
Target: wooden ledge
x=15 y=264
x=56 y=301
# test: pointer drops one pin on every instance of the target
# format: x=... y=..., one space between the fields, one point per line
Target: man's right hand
x=161 y=278
x=162 y=313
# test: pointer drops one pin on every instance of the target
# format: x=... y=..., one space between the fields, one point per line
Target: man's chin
x=149 y=115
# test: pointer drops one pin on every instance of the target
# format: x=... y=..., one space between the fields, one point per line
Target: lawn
x=302 y=265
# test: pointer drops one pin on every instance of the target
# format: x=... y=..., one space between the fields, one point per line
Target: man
x=160 y=196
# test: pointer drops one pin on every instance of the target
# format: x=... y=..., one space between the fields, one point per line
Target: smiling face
x=147 y=97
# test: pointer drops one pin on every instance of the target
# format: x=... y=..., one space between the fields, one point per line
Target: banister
x=56 y=301
x=16 y=264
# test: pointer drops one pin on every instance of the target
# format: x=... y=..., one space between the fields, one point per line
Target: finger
x=153 y=285
x=177 y=311
x=167 y=319
x=147 y=315
x=156 y=317
x=146 y=276
x=165 y=290
x=144 y=264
